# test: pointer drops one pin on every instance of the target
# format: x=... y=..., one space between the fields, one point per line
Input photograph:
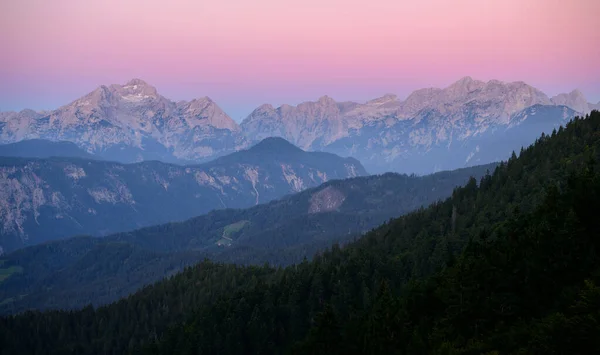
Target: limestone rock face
x=132 y=122
x=575 y=100
x=388 y=134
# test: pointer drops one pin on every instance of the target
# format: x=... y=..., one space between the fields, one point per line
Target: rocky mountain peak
x=201 y=102
x=100 y=94
x=204 y=109
x=502 y=98
x=326 y=100
x=464 y=86
x=465 y=80
x=574 y=100
x=275 y=145
x=264 y=111
x=577 y=93
x=300 y=124
x=29 y=112
x=135 y=116
x=418 y=100
x=265 y=108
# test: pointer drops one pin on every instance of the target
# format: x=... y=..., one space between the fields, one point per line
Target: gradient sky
x=243 y=53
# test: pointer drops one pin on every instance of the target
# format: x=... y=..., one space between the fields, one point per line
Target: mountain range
x=432 y=129
x=58 y=197
x=130 y=123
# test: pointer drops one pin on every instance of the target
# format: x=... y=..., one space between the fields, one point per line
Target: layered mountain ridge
x=133 y=122
x=280 y=232
x=502 y=101
x=448 y=127
x=59 y=197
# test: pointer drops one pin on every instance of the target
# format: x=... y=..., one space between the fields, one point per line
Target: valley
x=281 y=232
x=59 y=197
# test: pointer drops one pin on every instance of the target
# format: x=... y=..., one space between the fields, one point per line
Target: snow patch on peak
x=136 y=97
x=135 y=90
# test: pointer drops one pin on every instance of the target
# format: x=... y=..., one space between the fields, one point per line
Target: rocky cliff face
x=388 y=134
x=574 y=100
x=317 y=124
x=132 y=122
x=313 y=125
x=45 y=199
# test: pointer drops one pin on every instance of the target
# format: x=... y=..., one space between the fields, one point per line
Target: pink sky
x=243 y=53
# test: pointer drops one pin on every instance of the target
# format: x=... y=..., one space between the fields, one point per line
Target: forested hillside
x=75 y=272
x=508 y=264
x=59 y=197
x=529 y=286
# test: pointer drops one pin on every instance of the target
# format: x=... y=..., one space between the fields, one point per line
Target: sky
x=243 y=53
